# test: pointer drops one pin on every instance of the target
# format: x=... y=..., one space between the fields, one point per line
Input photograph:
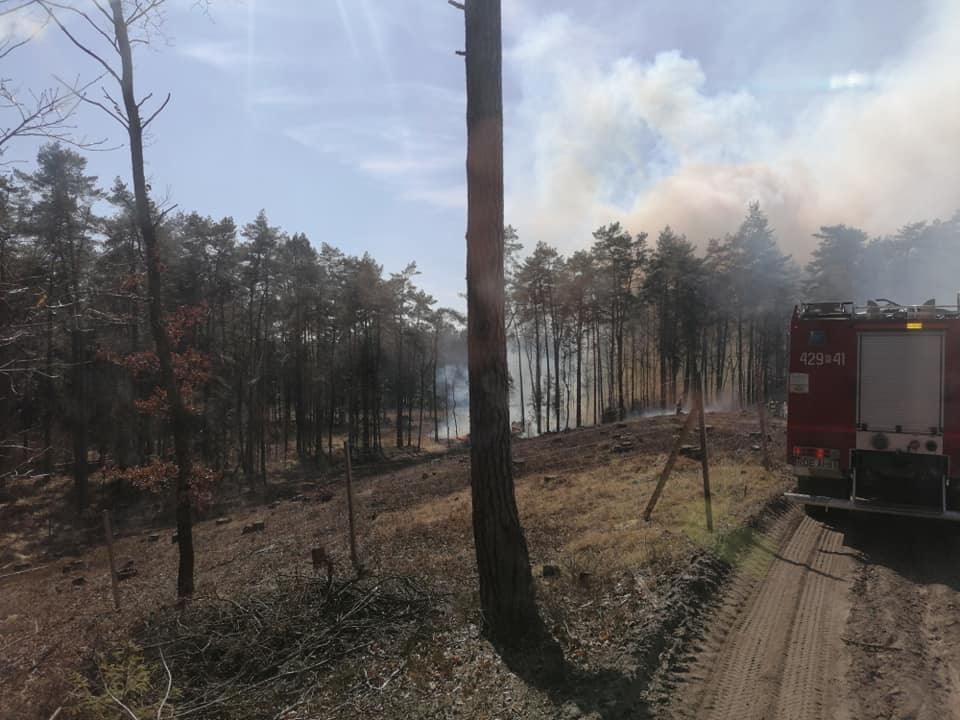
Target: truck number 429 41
x=822 y=358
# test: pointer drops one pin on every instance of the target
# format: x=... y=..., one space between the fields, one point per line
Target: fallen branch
x=265 y=651
x=166 y=695
x=871 y=646
x=23 y=572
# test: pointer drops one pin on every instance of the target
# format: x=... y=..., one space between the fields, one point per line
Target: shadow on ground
x=920 y=550
x=637 y=688
x=578 y=693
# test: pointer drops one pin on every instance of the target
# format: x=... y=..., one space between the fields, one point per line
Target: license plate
x=815 y=462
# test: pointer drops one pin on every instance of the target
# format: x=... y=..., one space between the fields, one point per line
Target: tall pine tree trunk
x=506 y=582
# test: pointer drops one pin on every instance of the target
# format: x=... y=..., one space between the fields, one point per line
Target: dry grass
x=414 y=520
x=593 y=517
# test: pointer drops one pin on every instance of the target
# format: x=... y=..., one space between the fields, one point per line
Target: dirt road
x=854 y=617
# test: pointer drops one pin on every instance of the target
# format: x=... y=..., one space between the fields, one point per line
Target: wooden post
x=762 y=415
x=668 y=468
x=354 y=557
x=113 y=564
x=763 y=433
x=704 y=459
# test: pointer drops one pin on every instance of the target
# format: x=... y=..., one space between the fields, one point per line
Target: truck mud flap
x=862 y=506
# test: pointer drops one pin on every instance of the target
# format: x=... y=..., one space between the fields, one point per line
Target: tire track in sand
x=777 y=653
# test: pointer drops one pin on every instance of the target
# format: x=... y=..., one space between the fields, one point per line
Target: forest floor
x=268 y=635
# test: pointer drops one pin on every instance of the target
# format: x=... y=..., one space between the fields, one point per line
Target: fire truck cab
x=873 y=418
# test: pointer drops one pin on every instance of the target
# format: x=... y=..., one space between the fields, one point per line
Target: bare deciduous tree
x=113 y=27
x=45 y=113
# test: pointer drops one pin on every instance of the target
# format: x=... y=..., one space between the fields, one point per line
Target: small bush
x=123 y=678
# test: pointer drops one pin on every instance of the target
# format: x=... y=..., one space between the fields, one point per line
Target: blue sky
x=344 y=119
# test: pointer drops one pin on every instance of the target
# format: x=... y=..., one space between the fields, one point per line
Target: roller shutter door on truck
x=901 y=381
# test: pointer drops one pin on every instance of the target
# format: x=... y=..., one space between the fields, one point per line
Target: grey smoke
x=646 y=141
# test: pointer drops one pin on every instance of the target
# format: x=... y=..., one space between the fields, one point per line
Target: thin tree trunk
x=453 y=394
x=446 y=404
x=399 y=383
x=179 y=415
x=579 y=367
x=538 y=387
x=299 y=390
x=556 y=379
x=740 y=391
x=48 y=391
x=621 y=410
x=546 y=348
x=420 y=420
x=436 y=419
x=79 y=419
x=611 y=364
x=523 y=409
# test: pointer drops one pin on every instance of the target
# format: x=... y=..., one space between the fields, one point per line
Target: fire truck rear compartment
x=897 y=460
x=900 y=383
x=900 y=478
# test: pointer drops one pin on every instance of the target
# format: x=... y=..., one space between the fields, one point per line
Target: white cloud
x=594 y=138
x=852 y=80
x=223 y=55
x=453 y=198
x=21 y=25
x=283 y=97
x=232 y=55
x=390 y=132
x=405 y=166
x=418 y=166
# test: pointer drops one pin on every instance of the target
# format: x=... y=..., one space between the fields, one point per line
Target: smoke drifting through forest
x=653 y=141
x=281 y=348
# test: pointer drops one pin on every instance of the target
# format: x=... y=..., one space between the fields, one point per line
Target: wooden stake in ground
x=354 y=557
x=762 y=410
x=704 y=459
x=671 y=461
x=113 y=563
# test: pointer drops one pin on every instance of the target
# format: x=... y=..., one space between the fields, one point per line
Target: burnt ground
x=624 y=598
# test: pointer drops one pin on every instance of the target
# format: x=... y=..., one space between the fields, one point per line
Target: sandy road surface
x=854 y=617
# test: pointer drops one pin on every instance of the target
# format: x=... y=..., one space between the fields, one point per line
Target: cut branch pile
x=255 y=656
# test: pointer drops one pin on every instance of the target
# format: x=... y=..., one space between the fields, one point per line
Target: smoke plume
x=645 y=141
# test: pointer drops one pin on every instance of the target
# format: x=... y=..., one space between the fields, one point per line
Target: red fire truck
x=873 y=416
